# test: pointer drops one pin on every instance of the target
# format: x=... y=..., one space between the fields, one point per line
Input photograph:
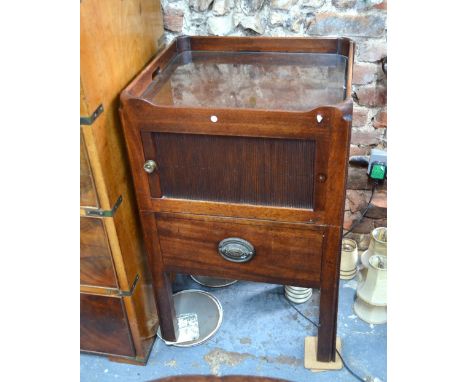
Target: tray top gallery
x=252 y=80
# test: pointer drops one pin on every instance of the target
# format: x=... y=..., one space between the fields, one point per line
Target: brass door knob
x=150 y=166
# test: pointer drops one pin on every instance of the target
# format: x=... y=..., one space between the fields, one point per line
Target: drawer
x=103 y=326
x=96 y=265
x=284 y=253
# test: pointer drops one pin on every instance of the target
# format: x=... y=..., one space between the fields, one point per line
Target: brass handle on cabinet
x=150 y=166
x=236 y=250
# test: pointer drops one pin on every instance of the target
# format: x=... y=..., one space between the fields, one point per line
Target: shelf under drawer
x=284 y=253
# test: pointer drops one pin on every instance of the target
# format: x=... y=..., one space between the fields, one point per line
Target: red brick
x=376 y=212
x=173 y=19
x=366 y=138
x=357 y=199
x=382 y=6
x=367 y=225
x=380 y=199
x=364 y=227
x=360 y=115
x=364 y=73
x=371 y=96
x=346 y=205
x=356 y=150
x=378 y=207
x=358 y=179
x=332 y=23
x=380 y=120
x=371 y=51
x=349 y=218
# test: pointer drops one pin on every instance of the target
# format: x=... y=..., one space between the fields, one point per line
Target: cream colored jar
x=349 y=259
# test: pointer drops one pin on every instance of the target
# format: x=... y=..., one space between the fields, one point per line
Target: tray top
x=254 y=80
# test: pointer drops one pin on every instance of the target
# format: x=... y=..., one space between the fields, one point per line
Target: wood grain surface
x=103 y=326
x=256 y=171
x=88 y=195
x=96 y=264
x=289 y=254
x=117 y=39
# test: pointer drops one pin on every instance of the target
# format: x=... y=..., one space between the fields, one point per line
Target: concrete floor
x=262 y=335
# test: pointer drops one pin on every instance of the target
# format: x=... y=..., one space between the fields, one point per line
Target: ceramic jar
x=371 y=301
x=297 y=295
x=349 y=259
x=370 y=313
x=377 y=245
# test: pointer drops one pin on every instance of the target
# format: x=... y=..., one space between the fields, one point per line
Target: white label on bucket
x=188 y=327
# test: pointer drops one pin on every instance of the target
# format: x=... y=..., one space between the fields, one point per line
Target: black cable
x=349 y=369
x=357 y=222
x=302 y=314
x=341 y=357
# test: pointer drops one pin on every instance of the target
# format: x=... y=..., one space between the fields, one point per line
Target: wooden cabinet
x=239 y=150
x=118 y=312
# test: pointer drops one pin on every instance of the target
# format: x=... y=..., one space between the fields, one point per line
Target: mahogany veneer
x=245 y=138
x=118 y=311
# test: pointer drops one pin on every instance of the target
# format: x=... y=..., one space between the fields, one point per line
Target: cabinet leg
x=161 y=280
x=326 y=347
x=165 y=305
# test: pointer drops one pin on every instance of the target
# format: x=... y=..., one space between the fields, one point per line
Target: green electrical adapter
x=377 y=169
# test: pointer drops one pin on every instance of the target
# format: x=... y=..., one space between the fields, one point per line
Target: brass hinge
x=124 y=293
x=90 y=119
x=111 y=292
x=93 y=212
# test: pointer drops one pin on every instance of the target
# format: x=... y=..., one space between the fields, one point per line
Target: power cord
x=357 y=222
x=341 y=357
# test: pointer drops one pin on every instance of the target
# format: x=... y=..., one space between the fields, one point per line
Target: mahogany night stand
x=239 y=149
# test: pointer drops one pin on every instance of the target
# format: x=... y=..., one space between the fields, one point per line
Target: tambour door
x=227 y=169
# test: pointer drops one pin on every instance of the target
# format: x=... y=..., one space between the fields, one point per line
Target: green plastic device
x=378 y=171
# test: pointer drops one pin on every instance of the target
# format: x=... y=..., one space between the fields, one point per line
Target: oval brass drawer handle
x=236 y=250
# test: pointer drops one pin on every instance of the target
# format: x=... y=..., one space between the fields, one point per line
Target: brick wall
x=362 y=20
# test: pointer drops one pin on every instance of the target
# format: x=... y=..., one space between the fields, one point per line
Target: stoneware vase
x=377 y=245
x=297 y=295
x=371 y=302
x=370 y=313
x=349 y=259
